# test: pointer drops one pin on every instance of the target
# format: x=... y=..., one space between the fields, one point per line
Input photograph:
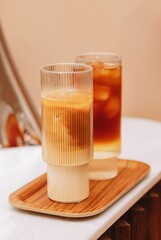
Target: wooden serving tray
x=103 y=193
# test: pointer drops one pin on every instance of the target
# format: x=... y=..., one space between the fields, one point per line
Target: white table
x=141 y=140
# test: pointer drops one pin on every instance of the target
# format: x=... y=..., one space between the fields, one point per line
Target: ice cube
x=101 y=93
x=98 y=72
x=116 y=73
x=114 y=79
x=97 y=66
x=113 y=107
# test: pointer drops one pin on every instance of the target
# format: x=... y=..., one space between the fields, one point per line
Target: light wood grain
x=103 y=193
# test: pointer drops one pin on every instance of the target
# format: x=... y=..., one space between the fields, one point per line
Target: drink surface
x=107 y=107
x=67 y=128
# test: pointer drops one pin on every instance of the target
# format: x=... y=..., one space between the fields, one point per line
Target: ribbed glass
x=66 y=100
x=68 y=184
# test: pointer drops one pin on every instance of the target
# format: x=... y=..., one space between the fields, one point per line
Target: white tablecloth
x=141 y=140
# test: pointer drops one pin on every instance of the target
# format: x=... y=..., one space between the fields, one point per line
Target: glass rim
x=86 y=69
x=106 y=56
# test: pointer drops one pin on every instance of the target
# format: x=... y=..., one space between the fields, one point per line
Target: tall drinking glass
x=107 y=77
x=67 y=128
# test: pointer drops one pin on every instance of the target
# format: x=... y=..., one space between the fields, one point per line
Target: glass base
x=68 y=184
x=101 y=169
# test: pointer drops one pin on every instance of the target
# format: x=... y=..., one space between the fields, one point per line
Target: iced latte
x=67 y=129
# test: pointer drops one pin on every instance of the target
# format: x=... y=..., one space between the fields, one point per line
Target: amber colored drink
x=107 y=109
x=107 y=72
x=67 y=129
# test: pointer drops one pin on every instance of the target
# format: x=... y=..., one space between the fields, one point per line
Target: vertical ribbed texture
x=68 y=184
x=67 y=96
x=67 y=138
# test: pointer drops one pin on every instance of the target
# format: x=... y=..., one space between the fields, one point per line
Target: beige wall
x=44 y=31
